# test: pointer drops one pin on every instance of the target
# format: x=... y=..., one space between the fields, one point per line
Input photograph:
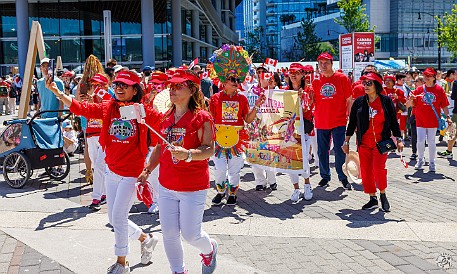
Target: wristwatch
x=60 y=96
x=189 y=156
x=399 y=139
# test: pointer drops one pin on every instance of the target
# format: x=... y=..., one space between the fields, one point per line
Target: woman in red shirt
x=426 y=120
x=397 y=96
x=374 y=117
x=125 y=145
x=184 y=171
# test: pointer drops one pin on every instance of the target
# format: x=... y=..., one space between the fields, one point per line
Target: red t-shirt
x=330 y=95
x=400 y=94
x=181 y=175
x=229 y=110
x=376 y=124
x=94 y=127
x=425 y=116
x=358 y=91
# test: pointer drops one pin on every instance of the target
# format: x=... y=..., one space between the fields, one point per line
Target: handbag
x=401 y=106
x=384 y=146
x=308 y=125
x=441 y=121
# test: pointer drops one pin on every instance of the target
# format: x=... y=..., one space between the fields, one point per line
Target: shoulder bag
x=441 y=121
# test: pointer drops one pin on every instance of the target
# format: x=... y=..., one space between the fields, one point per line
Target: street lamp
x=328 y=32
x=438 y=41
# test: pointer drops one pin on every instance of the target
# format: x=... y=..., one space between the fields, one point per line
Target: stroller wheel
x=16 y=169
x=59 y=172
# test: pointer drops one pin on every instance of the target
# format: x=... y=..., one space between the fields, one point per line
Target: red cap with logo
x=158 y=78
x=391 y=77
x=68 y=73
x=325 y=55
x=128 y=78
x=99 y=78
x=296 y=66
x=372 y=76
x=308 y=68
x=429 y=71
x=181 y=76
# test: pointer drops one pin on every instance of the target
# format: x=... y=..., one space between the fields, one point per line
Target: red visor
x=99 y=78
x=181 y=76
x=372 y=76
x=429 y=71
x=296 y=66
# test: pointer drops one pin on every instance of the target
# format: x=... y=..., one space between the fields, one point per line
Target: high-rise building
x=144 y=32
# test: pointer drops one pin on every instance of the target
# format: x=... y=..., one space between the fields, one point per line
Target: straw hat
x=352 y=167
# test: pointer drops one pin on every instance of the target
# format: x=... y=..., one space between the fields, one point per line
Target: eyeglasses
x=234 y=80
x=120 y=85
x=307 y=72
x=367 y=83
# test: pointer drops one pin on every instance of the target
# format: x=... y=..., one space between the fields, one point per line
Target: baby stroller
x=28 y=144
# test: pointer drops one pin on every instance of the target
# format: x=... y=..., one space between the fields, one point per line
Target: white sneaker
x=420 y=164
x=119 y=269
x=154 y=209
x=308 y=195
x=432 y=167
x=296 y=195
x=147 y=248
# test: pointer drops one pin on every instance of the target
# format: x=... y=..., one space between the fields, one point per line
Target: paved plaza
x=47 y=228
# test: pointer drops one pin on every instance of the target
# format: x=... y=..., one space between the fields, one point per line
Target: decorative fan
x=162 y=101
x=229 y=61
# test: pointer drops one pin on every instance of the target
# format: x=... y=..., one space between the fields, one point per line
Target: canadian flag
x=317 y=76
x=204 y=75
x=266 y=76
x=193 y=63
x=248 y=79
x=102 y=93
x=271 y=62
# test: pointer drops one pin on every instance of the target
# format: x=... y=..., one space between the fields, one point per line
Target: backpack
x=12 y=93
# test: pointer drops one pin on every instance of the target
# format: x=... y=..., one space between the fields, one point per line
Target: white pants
x=120 y=194
x=181 y=213
x=4 y=101
x=97 y=157
x=12 y=105
x=314 y=147
x=422 y=134
x=259 y=175
x=232 y=166
x=154 y=178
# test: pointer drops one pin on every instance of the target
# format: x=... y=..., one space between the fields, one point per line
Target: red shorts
x=402 y=121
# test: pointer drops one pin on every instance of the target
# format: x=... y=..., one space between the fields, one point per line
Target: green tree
x=255 y=44
x=447 y=31
x=307 y=40
x=353 y=17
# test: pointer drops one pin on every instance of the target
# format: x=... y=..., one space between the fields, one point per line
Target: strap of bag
x=370 y=112
x=430 y=103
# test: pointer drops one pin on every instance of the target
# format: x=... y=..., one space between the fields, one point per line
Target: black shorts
x=35 y=99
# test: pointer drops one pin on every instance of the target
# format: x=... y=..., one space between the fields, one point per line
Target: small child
x=70 y=138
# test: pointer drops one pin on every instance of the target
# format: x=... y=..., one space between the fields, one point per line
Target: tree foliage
x=447 y=27
x=353 y=17
x=307 y=40
x=255 y=44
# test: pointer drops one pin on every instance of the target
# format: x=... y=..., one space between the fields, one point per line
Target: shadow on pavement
x=419 y=176
x=364 y=218
x=61 y=218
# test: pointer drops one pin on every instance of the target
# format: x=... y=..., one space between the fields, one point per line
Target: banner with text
x=356 y=52
x=275 y=134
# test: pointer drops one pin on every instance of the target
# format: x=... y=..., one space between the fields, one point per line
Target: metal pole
x=439 y=47
x=107 y=35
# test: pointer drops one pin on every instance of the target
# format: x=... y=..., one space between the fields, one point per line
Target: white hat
x=44 y=60
x=117 y=68
x=78 y=76
x=67 y=124
x=352 y=167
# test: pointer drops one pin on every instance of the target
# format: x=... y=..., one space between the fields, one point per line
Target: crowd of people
x=167 y=152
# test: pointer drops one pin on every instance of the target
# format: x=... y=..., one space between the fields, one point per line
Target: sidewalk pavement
x=264 y=233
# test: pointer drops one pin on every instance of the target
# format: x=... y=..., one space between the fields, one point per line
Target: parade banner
x=363 y=51
x=275 y=134
x=346 y=52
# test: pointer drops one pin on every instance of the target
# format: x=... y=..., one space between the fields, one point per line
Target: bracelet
x=60 y=96
x=256 y=107
x=345 y=143
x=147 y=171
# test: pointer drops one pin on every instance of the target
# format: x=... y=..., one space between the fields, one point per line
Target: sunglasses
x=367 y=83
x=178 y=86
x=294 y=72
x=120 y=85
x=234 y=80
x=307 y=72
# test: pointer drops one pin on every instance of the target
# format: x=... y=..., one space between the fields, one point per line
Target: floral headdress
x=230 y=61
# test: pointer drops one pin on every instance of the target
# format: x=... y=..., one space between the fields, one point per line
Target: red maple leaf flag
x=102 y=93
x=266 y=76
x=271 y=62
x=193 y=63
x=204 y=75
x=248 y=79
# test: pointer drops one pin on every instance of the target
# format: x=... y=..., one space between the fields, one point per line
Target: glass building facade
x=75 y=29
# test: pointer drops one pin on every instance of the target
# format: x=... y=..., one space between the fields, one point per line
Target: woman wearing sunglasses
x=375 y=118
x=297 y=83
x=184 y=171
x=125 y=145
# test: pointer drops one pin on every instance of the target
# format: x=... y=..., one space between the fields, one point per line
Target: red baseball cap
x=325 y=55
x=99 y=78
x=68 y=73
x=308 y=68
x=429 y=71
x=296 y=66
x=181 y=76
x=128 y=78
x=391 y=77
x=372 y=76
x=158 y=78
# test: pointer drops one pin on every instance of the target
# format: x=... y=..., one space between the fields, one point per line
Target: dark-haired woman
x=125 y=144
x=184 y=172
x=375 y=118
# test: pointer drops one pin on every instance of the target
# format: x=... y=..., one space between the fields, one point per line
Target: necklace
x=178 y=117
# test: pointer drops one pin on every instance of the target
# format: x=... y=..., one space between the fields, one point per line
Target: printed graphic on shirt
x=328 y=90
x=176 y=137
x=431 y=98
x=94 y=123
x=230 y=111
x=372 y=112
x=122 y=129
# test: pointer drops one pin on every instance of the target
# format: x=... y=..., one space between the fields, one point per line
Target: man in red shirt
x=332 y=98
